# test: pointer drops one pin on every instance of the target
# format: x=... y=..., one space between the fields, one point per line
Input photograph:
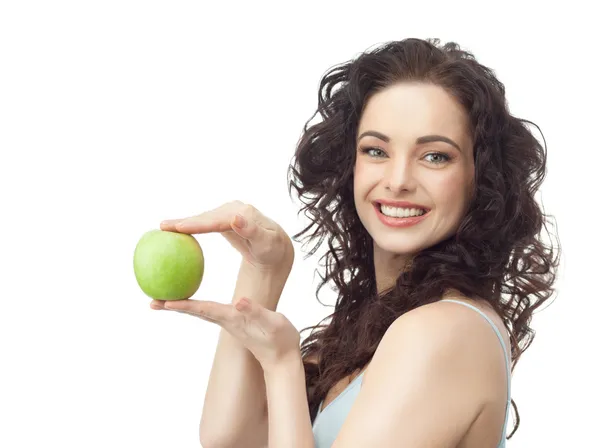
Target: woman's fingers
x=260 y=241
x=186 y=306
x=169 y=224
x=265 y=318
x=214 y=311
x=244 y=219
x=220 y=219
x=211 y=221
x=217 y=220
x=226 y=315
x=268 y=335
x=157 y=304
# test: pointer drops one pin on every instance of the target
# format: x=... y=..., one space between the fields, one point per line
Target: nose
x=399 y=175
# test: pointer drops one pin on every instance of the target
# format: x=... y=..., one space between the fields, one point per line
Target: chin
x=400 y=247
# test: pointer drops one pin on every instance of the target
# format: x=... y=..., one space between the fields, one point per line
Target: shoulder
x=448 y=323
x=449 y=345
x=438 y=363
x=445 y=335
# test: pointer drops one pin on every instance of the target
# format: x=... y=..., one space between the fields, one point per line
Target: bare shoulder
x=451 y=332
x=459 y=314
x=440 y=362
x=452 y=344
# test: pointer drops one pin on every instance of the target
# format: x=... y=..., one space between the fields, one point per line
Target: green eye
x=444 y=157
x=369 y=149
x=439 y=157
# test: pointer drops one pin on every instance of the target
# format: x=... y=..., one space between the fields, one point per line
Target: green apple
x=168 y=265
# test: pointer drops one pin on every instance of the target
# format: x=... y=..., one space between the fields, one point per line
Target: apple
x=168 y=265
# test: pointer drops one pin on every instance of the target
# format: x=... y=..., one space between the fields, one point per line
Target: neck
x=388 y=266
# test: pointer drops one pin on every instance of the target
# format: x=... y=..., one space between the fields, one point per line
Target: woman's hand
x=267 y=251
x=269 y=335
x=261 y=241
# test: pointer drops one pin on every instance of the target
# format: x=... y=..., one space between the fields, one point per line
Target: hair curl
x=497 y=253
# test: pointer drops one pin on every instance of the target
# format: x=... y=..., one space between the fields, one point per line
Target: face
x=394 y=165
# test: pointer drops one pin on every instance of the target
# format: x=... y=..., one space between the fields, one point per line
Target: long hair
x=497 y=253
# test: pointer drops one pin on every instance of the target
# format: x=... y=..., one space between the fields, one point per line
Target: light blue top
x=327 y=424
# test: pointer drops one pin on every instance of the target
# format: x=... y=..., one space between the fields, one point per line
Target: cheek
x=363 y=176
x=359 y=169
x=451 y=192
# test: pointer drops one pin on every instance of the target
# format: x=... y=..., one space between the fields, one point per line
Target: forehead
x=409 y=110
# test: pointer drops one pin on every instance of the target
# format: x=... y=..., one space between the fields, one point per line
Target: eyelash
x=447 y=156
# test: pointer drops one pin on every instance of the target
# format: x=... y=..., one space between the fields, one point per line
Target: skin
x=441 y=362
x=437 y=378
x=404 y=171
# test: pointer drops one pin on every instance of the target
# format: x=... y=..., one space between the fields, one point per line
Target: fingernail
x=240 y=221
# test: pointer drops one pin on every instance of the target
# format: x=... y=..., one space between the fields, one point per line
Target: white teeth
x=397 y=212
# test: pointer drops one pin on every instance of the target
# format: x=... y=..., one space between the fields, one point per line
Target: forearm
x=289 y=416
x=235 y=399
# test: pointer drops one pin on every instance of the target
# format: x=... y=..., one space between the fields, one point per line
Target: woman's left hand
x=269 y=335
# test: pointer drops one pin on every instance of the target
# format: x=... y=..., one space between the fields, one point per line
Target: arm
x=427 y=383
x=289 y=417
x=433 y=373
x=234 y=411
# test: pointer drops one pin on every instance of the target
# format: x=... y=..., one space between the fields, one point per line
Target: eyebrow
x=420 y=140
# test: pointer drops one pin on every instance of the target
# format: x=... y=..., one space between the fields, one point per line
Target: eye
x=437 y=157
x=440 y=157
x=369 y=149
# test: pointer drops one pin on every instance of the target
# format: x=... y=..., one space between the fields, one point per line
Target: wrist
x=260 y=284
x=283 y=267
x=290 y=363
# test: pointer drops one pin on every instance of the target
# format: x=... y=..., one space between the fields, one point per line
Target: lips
x=398 y=222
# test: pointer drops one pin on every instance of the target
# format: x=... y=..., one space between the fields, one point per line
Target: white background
x=115 y=115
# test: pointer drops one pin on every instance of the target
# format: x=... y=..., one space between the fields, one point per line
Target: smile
x=400 y=221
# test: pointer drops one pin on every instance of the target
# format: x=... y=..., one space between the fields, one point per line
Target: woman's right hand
x=262 y=242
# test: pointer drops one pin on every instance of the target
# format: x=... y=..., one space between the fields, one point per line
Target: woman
x=423 y=184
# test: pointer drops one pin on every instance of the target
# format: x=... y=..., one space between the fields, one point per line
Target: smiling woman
x=423 y=185
x=430 y=170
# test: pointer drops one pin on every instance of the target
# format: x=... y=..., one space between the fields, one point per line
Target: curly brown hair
x=497 y=253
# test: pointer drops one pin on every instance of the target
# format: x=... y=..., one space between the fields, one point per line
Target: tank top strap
x=506 y=355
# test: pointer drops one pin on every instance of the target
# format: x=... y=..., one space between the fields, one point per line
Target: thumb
x=250 y=230
x=246 y=306
x=262 y=316
x=251 y=309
